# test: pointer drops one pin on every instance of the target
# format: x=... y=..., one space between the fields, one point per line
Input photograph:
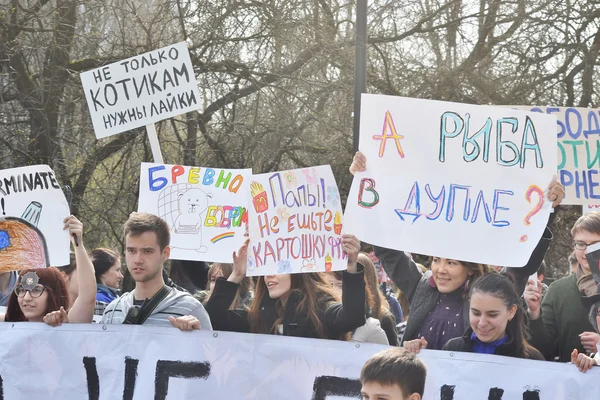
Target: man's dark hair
x=139 y=223
x=396 y=366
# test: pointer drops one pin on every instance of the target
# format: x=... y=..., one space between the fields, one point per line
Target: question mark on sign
x=538 y=206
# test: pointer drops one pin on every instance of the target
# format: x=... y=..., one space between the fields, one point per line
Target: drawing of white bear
x=187 y=229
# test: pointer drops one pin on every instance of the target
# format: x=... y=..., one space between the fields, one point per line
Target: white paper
x=578 y=148
x=434 y=185
x=295 y=223
x=206 y=208
x=31 y=219
x=141 y=90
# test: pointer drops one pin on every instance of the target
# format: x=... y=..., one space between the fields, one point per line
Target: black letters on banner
x=164 y=371
x=130 y=376
x=335 y=386
x=91 y=373
x=177 y=369
x=531 y=395
x=447 y=393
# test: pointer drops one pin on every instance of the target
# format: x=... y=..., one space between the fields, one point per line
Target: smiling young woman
x=438 y=307
x=302 y=305
x=496 y=321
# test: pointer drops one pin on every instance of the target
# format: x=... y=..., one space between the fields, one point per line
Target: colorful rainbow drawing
x=222 y=236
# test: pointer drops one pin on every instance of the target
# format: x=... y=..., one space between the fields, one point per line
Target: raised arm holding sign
x=438 y=309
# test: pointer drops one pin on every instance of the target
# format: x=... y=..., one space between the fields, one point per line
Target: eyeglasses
x=582 y=245
x=35 y=292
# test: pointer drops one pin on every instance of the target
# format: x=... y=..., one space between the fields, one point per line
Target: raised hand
x=359 y=163
x=533 y=299
x=75 y=228
x=556 y=192
x=240 y=261
x=351 y=246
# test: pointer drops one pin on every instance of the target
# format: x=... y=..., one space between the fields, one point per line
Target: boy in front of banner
x=393 y=374
x=152 y=302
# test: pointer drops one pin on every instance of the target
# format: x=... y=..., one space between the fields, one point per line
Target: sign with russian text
x=206 y=208
x=295 y=223
x=89 y=361
x=452 y=180
x=141 y=90
x=33 y=208
x=578 y=134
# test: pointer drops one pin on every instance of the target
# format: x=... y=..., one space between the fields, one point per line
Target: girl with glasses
x=41 y=294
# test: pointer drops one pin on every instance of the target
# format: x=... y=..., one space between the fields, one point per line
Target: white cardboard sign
x=452 y=180
x=578 y=134
x=206 y=208
x=295 y=223
x=33 y=207
x=141 y=90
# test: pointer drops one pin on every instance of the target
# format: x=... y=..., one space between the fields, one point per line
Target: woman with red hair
x=41 y=294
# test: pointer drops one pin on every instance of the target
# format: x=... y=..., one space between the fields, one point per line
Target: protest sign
x=206 y=208
x=295 y=223
x=592 y=254
x=141 y=90
x=452 y=180
x=81 y=361
x=588 y=208
x=578 y=134
x=33 y=207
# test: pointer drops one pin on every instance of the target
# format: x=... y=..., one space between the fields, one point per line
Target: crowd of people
x=453 y=305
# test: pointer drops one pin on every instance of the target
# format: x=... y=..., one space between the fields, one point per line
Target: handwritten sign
x=141 y=90
x=452 y=180
x=205 y=208
x=33 y=207
x=578 y=133
x=295 y=223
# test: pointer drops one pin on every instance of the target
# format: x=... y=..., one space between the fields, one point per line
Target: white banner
x=578 y=133
x=452 y=180
x=295 y=222
x=141 y=90
x=33 y=207
x=136 y=362
x=206 y=208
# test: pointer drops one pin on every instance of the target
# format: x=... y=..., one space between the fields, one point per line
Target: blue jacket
x=105 y=294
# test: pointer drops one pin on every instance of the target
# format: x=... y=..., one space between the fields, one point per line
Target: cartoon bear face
x=193 y=201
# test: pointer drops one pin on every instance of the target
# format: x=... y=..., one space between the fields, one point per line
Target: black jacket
x=337 y=318
x=509 y=349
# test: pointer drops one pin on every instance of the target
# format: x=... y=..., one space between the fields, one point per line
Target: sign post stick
x=154 y=145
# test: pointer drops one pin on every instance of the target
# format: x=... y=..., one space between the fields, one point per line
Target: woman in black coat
x=302 y=305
